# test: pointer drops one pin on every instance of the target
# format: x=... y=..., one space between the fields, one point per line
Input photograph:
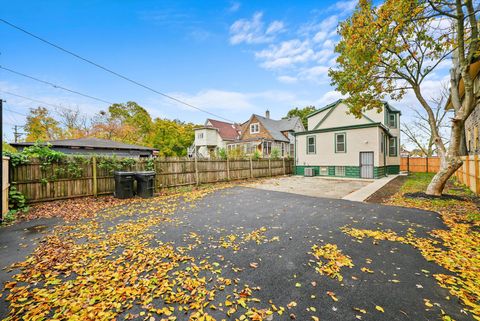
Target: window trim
x=390 y=154
x=252 y=125
x=394 y=120
x=344 y=142
x=314 y=144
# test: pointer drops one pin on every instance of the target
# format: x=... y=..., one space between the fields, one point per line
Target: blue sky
x=232 y=58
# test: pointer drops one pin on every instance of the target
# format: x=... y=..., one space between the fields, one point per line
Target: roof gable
x=276 y=127
x=227 y=131
x=337 y=115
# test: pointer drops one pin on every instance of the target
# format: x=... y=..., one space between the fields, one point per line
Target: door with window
x=366 y=164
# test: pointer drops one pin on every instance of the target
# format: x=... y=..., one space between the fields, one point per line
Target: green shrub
x=222 y=153
x=275 y=154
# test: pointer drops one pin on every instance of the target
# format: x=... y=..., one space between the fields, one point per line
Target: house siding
x=350 y=171
x=262 y=134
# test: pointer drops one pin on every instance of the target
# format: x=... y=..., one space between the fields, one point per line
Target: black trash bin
x=123 y=184
x=145 y=183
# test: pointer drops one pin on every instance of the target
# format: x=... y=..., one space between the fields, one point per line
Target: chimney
x=267 y=114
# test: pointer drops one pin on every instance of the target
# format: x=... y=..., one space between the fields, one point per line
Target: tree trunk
x=450 y=160
x=448 y=167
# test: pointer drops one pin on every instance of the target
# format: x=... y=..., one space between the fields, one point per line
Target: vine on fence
x=113 y=163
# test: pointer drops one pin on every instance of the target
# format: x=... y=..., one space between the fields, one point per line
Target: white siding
x=358 y=140
x=339 y=117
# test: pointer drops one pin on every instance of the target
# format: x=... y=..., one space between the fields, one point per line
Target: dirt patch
x=387 y=191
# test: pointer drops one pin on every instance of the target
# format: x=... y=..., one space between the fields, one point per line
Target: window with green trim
x=311 y=146
x=392 y=120
x=392 y=146
x=340 y=143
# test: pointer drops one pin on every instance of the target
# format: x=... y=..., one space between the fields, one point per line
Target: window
x=283 y=149
x=292 y=149
x=199 y=135
x=339 y=170
x=324 y=170
x=267 y=148
x=311 y=146
x=254 y=128
x=392 y=145
x=340 y=143
x=392 y=120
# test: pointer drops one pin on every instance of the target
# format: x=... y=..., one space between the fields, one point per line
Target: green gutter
x=334 y=129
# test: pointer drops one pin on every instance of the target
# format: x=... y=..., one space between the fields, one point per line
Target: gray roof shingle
x=89 y=142
x=276 y=127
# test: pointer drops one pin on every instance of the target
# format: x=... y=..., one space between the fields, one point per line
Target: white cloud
x=287 y=79
x=286 y=54
x=253 y=31
x=344 y=7
x=329 y=97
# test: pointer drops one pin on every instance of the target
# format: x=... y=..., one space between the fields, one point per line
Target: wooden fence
x=420 y=164
x=469 y=173
x=35 y=181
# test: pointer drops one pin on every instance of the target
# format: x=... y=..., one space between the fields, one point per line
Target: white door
x=366 y=164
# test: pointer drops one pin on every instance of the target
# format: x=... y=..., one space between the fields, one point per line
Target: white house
x=339 y=144
x=212 y=136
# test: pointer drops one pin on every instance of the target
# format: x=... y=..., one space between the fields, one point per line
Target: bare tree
x=418 y=130
x=74 y=122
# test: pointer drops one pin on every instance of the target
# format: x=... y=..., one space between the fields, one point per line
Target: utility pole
x=16 y=134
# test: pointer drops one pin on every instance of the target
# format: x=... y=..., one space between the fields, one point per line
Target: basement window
x=339 y=170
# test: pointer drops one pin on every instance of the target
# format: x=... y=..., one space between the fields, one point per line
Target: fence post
x=251 y=167
x=269 y=167
x=228 y=169
x=94 y=175
x=467 y=169
x=477 y=174
x=408 y=165
x=196 y=172
x=283 y=164
x=426 y=163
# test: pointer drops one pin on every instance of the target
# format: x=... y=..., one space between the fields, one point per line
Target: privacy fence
x=44 y=182
x=468 y=174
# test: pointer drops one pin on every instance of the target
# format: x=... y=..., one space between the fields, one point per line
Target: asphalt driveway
x=312 y=186
x=280 y=269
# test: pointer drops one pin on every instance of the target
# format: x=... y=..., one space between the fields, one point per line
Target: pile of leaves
x=455 y=248
x=113 y=267
x=330 y=260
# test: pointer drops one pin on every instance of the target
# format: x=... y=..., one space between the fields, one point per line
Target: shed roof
x=88 y=143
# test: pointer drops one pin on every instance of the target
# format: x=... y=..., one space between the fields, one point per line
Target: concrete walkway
x=363 y=193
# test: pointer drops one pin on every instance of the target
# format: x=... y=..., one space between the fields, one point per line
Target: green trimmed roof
x=334 y=129
x=385 y=104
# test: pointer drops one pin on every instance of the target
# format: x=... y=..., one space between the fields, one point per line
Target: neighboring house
x=263 y=134
x=339 y=144
x=94 y=146
x=214 y=135
x=472 y=123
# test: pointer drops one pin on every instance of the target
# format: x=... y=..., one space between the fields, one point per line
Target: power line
x=111 y=71
x=36 y=100
x=16 y=112
x=55 y=85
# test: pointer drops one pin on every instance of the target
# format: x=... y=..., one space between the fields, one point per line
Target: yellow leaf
x=379 y=308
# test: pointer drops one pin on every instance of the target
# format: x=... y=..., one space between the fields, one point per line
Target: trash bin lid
x=120 y=173
x=145 y=173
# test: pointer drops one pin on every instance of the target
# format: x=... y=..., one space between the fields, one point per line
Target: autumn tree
x=129 y=123
x=388 y=50
x=75 y=124
x=41 y=126
x=302 y=113
x=171 y=137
